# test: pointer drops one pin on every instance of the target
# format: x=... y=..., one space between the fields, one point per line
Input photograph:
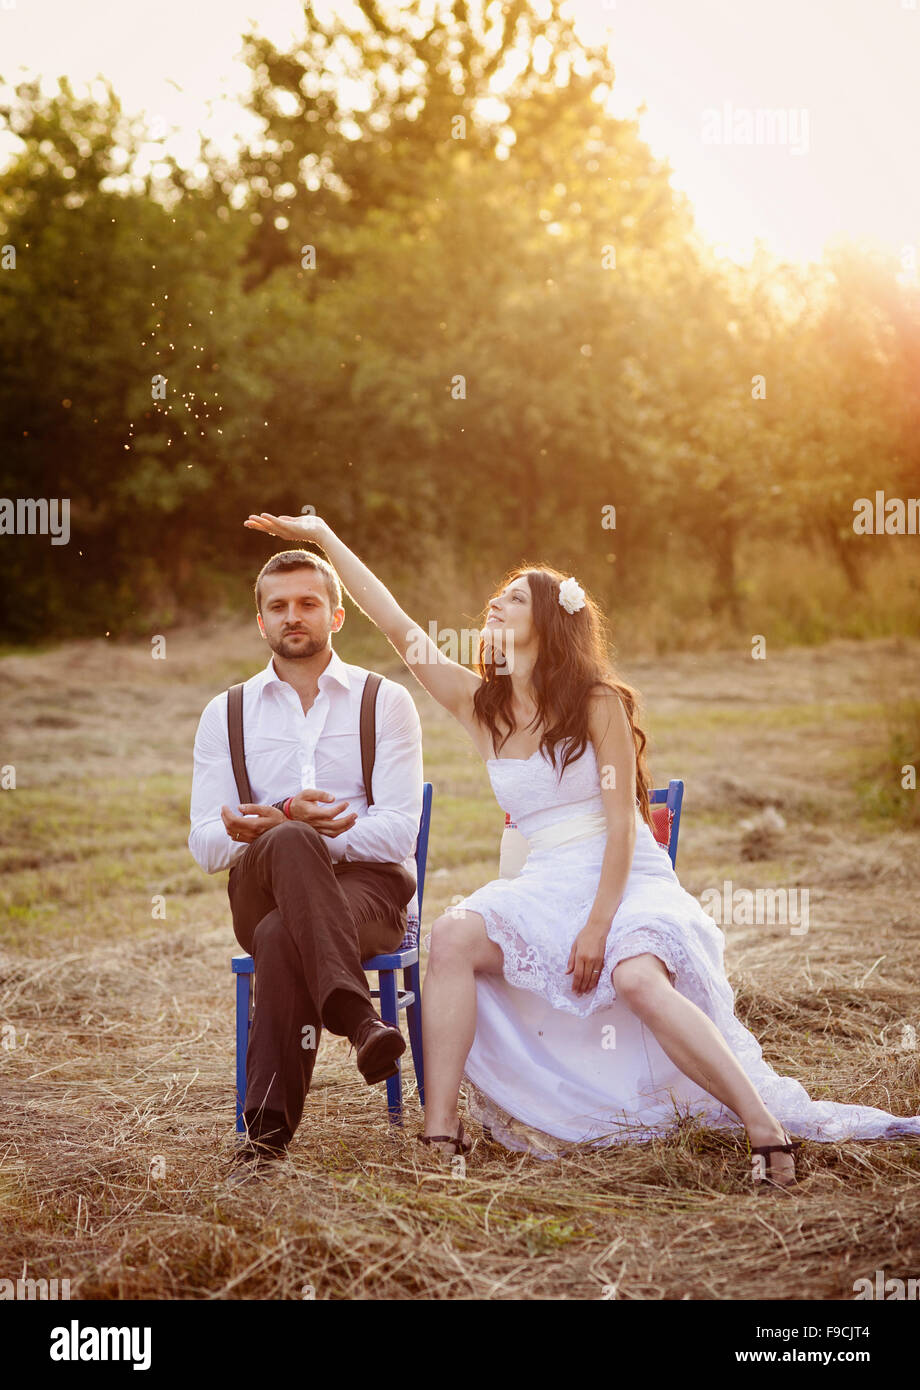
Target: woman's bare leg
x=695 y=1045
x=460 y=949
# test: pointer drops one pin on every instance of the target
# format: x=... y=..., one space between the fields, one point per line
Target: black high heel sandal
x=461 y=1141
x=761 y=1165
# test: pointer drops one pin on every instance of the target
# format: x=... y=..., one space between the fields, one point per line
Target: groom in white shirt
x=318 y=880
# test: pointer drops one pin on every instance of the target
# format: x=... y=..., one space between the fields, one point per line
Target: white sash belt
x=566 y=832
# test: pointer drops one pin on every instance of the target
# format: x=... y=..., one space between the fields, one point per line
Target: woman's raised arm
x=451 y=684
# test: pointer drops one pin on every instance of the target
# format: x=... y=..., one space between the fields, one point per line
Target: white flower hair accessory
x=571 y=595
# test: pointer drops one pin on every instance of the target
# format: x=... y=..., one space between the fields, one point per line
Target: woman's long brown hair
x=572 y=663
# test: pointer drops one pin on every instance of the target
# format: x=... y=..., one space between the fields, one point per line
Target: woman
x=585 y=998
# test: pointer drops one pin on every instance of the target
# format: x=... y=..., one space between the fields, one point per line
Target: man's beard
x=296 y=646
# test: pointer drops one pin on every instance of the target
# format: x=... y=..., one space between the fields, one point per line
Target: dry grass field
x=117 y=1063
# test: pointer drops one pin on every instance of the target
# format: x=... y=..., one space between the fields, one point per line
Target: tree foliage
x=446 y=300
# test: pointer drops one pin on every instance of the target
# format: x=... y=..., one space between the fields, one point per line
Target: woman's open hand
x=586 y=958
x=290 y=528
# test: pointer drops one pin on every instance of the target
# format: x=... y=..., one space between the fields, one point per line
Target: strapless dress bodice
x=535 y=796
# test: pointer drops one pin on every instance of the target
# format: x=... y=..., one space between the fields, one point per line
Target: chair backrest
x=665 y=805
x=421 y=844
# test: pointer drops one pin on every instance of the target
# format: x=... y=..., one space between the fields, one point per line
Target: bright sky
x=843 y=76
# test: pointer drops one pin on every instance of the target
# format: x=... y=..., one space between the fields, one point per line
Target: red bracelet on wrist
x=286 y=808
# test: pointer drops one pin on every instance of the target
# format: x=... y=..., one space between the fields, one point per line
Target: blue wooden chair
x=392 y=999
x=666 y=803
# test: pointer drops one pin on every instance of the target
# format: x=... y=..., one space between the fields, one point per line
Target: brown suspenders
x=367 y=732
x=237 y=746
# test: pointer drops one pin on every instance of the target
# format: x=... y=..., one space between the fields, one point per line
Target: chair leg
x=243 y=988
x=389 y=1012
x=412 y=980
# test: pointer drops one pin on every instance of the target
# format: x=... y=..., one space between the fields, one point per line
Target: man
x=318 y=880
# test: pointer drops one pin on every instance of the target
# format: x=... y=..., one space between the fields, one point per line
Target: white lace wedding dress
x=547 y=1062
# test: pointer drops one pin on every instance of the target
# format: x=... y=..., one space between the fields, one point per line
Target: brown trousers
x=307 y=922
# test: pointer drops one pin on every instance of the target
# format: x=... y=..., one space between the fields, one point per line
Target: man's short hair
x=297 y=560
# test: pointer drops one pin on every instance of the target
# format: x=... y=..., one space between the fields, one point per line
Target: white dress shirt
x=288 y=751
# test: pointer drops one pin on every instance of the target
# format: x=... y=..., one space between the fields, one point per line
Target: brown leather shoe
x=378 y=1045
x=254 y=1161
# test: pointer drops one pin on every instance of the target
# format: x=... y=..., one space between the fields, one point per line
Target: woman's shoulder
x=606 y=705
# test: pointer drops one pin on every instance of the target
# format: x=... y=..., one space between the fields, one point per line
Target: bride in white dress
x=586 y=998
